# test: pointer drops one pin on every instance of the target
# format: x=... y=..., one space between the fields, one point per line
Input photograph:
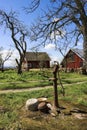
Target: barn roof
x=37 y=56
x=79 y=52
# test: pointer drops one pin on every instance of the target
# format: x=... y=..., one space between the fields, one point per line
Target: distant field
x=35 y=78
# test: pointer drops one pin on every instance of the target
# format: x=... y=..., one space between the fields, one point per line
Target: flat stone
x=49 y=106
x=31 y=104
x=42 y=106
x=42 y=99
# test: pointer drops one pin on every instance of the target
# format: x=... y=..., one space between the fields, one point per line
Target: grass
x=38 y=78
x=11 y=80
x=23 y=85
x=77 y=94
x=72 y=77
x=11 y=75
x=13 y=115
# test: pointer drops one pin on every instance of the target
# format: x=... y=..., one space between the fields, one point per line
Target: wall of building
x=38 y=64
x=76 y=63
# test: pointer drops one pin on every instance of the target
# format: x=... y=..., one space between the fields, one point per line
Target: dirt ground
x=70 y=118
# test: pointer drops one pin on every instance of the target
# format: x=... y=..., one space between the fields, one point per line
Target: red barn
x=36 y=60
x=73 y=59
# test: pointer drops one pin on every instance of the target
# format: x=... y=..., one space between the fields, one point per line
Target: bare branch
x=32 y=6
x=18 y=34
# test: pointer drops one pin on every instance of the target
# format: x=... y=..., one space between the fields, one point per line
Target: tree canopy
x=65 y=21
x=18 y=34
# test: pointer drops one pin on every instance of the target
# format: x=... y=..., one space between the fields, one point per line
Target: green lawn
x=35 y=78
x=13 y=115
x=73 y=77
x=11 y=80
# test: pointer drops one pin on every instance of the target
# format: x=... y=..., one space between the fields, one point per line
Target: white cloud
x=11 y=61
x=56 y=58
x=55 y=19
x=57 y=34
x=80 y=44
x=50 y=46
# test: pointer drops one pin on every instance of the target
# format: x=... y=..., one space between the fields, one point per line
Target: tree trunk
x=2 y=67
x=20 y=69
x=84 y=70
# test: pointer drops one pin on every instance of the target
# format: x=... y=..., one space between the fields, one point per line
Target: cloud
x=79 y=44
x=50 y=46
x=57 y=34
x=11 y=61
x=55 y=19
x=55 y=58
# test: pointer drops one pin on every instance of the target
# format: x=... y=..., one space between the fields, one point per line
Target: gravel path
x=32 y=89
x=23 y=90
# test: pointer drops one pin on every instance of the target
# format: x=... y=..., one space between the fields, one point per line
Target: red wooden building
x=73 y=59
x=36 y=60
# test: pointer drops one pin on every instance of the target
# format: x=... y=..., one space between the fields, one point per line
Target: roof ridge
x=79 y=52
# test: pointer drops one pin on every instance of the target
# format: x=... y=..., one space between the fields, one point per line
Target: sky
x=5 y=40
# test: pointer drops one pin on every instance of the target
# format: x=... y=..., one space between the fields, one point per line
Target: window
x=29 y=65
x=80 y=64
x=70 y=56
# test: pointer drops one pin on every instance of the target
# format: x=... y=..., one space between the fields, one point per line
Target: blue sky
x=17 y=5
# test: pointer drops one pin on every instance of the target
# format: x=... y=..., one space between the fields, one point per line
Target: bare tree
x=5 y=58
x=18 y=34
x=65 y=21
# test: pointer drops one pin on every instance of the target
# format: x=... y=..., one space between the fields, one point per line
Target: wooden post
x=55 y=70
